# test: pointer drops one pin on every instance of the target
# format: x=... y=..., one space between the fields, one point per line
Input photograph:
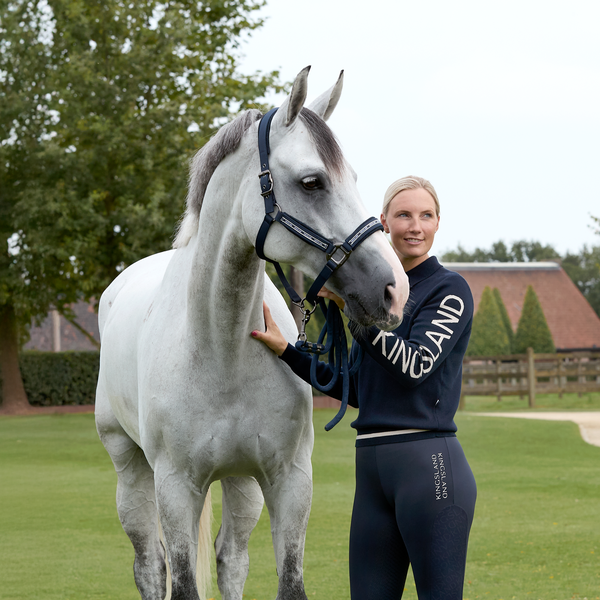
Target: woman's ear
x=384 y=223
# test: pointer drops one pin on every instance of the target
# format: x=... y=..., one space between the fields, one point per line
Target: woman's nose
x=414 y=225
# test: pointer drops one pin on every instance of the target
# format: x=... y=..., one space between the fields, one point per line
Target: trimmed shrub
x=533 y=330
x=59 y=378
x=488 y=334
x=505 y=319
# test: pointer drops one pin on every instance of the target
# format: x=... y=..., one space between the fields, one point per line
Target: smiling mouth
x=412 y=240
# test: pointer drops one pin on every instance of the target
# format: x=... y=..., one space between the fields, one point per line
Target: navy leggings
x=414 y=505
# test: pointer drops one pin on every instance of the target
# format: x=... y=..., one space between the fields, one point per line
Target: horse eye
x=311 y=183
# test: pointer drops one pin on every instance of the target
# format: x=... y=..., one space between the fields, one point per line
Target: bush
x=59 y=378
x=533 y=330
x=488 y=335
x=505 y=320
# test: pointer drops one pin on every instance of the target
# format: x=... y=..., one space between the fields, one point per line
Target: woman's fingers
x=325 y=293
x=269 y=322
x=272 y=337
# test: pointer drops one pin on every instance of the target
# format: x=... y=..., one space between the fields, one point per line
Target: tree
x=101 y=106
x=505 y=320
x=532 y=330
x=520 y=251
x=584 y=270
x=488 y=334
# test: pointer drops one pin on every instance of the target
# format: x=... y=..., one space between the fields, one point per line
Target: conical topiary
x=488 y=334
x=505 y=319
x=533 y=330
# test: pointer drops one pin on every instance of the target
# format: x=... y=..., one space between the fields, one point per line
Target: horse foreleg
x=242 y=505
x=136 y=504
x=288 y=501
x=180 y=506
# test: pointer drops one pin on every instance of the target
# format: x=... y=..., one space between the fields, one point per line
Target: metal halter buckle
x=270 y=190
x=306 y=314
x=343 y=259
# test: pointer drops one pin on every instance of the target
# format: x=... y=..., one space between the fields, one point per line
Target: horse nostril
x=387 y=297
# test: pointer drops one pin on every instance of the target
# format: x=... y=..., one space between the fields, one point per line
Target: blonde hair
x=409 y=183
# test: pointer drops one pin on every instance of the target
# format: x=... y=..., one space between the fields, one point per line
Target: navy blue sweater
x=409 y=378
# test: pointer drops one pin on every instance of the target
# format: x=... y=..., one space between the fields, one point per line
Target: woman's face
x=411 y=221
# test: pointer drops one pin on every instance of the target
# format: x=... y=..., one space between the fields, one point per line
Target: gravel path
x=589 y=422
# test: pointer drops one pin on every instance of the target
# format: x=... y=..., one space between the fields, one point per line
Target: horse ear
x=325 y=104
x=293 y=104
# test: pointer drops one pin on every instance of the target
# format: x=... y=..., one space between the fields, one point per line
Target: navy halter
x=336 y=255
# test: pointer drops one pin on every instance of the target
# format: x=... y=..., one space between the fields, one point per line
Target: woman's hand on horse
x=272 y=337
x=325 y=293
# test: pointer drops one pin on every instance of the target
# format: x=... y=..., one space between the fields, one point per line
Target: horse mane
x=327 y=145
x=203 y=165
x=225 y=141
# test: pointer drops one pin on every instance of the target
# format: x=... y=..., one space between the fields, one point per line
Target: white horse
x=185 y=395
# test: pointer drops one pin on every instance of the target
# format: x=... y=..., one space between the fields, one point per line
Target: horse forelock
x=328 y=148
x=203 y=165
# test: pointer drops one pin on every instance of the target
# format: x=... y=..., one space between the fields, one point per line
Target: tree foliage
x=505 y=319
x=102 y=104
x=532 y=330
x=488 y=333
x=584 y=271
x=520 y=251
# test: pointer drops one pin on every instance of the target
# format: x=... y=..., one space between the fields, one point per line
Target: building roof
x=41 y=338
x=572 y=321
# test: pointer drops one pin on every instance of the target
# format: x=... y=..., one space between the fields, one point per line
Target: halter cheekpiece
x=336 y=255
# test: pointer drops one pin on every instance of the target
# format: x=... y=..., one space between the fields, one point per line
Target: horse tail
x=204 y=560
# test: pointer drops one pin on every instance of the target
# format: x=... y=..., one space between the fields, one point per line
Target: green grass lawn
x=543 y=402
x=535 y=533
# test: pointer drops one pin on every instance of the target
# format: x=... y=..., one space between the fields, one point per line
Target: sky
x=496 y=103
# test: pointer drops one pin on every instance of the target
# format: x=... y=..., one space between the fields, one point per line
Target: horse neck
x=226 y=284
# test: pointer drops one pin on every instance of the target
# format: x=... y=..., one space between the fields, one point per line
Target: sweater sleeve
x=441 y=321
x=300 y=362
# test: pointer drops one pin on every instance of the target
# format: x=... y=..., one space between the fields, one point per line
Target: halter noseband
x=336 y=255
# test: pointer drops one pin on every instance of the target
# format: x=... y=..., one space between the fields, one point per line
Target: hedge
x=505 y=319
x=488 y=334
x=59 y=378
x=533 y=330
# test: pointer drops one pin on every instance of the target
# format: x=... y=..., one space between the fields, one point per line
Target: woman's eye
x=311 y=183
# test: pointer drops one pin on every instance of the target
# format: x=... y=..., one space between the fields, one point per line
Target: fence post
x=559 y=370
x=56 y=331
x=531 y=376
x=499 y=380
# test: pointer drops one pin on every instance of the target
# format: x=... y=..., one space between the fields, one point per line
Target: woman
x=415 y=492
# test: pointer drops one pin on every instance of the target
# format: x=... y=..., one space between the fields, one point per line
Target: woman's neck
x=410 y=262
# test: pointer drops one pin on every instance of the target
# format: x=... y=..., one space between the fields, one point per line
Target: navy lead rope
x=336 y=255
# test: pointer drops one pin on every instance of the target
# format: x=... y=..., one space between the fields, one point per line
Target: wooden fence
x=528 y=374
